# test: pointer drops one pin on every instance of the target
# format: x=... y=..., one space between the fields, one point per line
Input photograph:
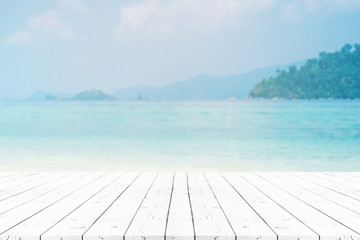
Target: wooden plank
x=180 y=225
x=32 y=228
x=114 y=222
x=16 y=216
x=285 y=225
x=150 y=220
x=246 y=223
x=8 y=174
x=340 y=214
x=76 y=223
x=326 y=227
x=210 y=221
x=183 y=206
x=14 y=177
x=347 y=181
x=19 y=180
x=354 y=174
x=31 y=185
x=20 y=199
x=341 y=199
x=331 y=185
x=345 y=175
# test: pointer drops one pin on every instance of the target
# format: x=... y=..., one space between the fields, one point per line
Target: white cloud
x=51 y=24
x=298 y=10
x=342 y=5
x=159 y=17
x=19 y=38
x=292 y=12
x=46 y=21
x=65 y=34
x=74 y=6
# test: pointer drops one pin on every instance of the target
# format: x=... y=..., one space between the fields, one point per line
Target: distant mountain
x=204 y=87
x=92 y=95
x=331 y=75
x=51 y=98
x=44 y=95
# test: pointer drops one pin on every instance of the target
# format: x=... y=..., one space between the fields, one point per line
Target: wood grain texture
x=246 y=223
x=179 y=206
x=115 y=221
x=77 y=222
x=322 y=224
x=210 y=221
x=335 y=211
x=18 y=215
x=42 y=221
x=342 y=199
x=180 y=221
x=27 y=196
x=150 y=220
x=283 y=223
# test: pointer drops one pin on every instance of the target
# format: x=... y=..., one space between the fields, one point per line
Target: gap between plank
x=308 y=204
x=277 y=236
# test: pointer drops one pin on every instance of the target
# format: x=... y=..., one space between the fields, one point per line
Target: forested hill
x=331 y=75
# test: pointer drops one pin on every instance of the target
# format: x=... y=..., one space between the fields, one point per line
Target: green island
x=92 y=95
x=88 y=95
x=332 y=75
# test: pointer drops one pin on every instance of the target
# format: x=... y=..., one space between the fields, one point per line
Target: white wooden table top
x=184 y=206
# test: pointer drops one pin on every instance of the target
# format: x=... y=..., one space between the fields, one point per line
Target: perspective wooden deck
x=185 y=206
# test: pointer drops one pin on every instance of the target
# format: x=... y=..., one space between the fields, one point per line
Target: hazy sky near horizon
x=72 y=45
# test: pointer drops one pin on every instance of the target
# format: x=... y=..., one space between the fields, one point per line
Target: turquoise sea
x=320 y=135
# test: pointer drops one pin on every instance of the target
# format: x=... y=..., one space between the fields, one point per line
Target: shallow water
x=213 y=135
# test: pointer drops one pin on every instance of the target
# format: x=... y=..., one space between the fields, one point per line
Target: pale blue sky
x=72 y=45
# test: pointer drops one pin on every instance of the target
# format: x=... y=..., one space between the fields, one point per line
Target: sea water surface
x=320 y=135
